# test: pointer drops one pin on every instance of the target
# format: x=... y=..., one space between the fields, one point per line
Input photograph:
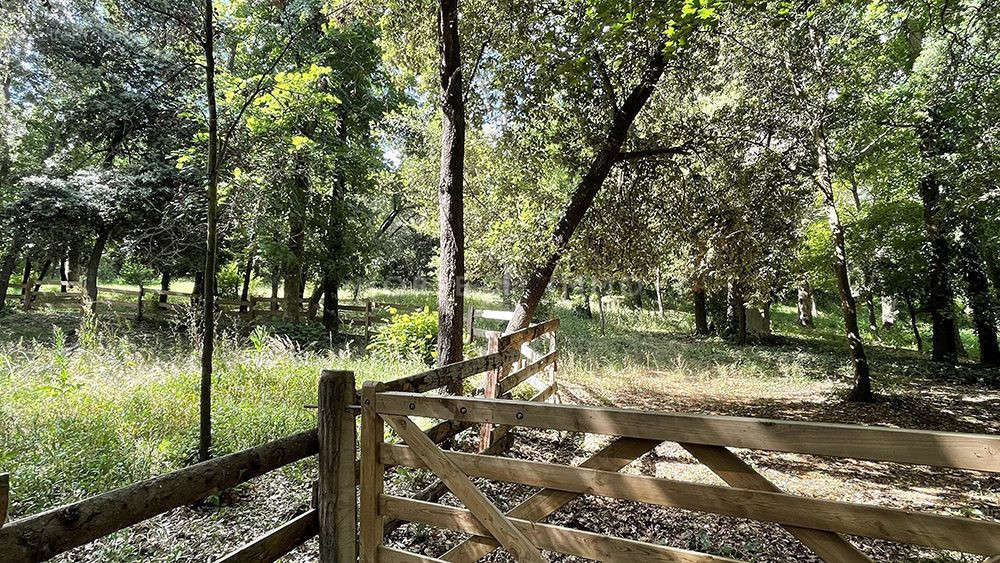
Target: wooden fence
x=360 y=318
x=333 y=515
x=817 y=523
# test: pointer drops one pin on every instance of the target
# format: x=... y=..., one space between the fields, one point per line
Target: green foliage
x=408 y=336
x=229 y=281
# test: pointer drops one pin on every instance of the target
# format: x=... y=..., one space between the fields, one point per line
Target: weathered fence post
x=336 y=502
x=490 y=387
x=4 y=497
x=472 y=323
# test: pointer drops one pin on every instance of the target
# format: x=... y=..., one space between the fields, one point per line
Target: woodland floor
x=654 y=365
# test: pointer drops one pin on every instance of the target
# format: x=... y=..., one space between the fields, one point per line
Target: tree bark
x=600 y=306
x=759 y=320
x=940 y=296
x=978 y=291
x=275 y=284
x=736 y=314
x=212 y=242
x=806 y=303
x=63 y=279
x=164 y=285
x=94 y=264
x=25 y=275
x=314 y=298
x=451 y=273
x=73 y=263
x=245 y=290
x=890 y=312
x=7 y=268
x=296 y=248
x=862 y=390
x=585 y=192
x=331 y=315
x=700 y=310
x=659 y=296
x=585 y=291
x=913 y=322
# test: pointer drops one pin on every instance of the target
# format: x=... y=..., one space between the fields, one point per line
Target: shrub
x=408 y=337
x=229 y=280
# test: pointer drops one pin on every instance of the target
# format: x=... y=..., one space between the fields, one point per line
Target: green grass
x=115 y=401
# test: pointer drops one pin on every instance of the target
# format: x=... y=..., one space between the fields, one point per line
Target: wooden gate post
x=337 y=502
x=4 y=497
x=491 y=384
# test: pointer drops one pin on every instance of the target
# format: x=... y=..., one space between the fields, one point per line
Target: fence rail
x=817 y=523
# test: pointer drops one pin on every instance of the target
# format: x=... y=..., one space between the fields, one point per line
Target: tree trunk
x=212 y=242
x=164 y=285
x=199 y=285
x=73 y=263
x=63 y=279
x=862 y=390
x=913 y=323
x=331 y=315
x=583 y=197
x=585 y=291
x=275 y=284
x=94 y=264
x=736 y=314
x=314 y=299
x=806 y=303
x=659 y=296
x=978 y=291
x=451 y=273
x=41 y=276
x=890 y=312
x=506 y=286
x=872 y=319
x=565 y=290
x=245 y=290
x=296 y=248
x=759 y=320
x=700 y=310
x=600 y=306
x=7 y=269
x=940 y=296
x=25 y=275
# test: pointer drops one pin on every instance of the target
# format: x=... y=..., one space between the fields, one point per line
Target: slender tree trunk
x=73 y=263
x=331 y=316
x=245 y=290
x=63 y=278
x=600 y=307
x=824 y=176
x=565 y=290
x=913 y=323
x=872 y=319
x=7 y=268
x=506 y=288
x=451 y=273
x=659 y=296
x=736 y=314
x=806 y=303
x=275 y=284
x=296 y=249
x=585 y=192
x=94 y=264
x=314 y=298
x=41 y=277
x=940 y=297
x=890 y=312
x=585 y=291
x=199 y=285
x=978 y=291
x=212 y=242
x=700 y=310
x=25 y=275
x=164 y=285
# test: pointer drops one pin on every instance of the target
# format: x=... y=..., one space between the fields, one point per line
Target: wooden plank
x=47 y=534
x=520 y=376
x=451 y=373
x=544 y=394
x=118 y=291
x=351 y=308
x=946 y=449
x=598 y=547
x=494 y=315
x=519 y=337
x=337 y=505
x=4 y=497
x=931 y=530
x=393 y=555
x=483 y=333
x=490 y=388
x=613 y=457
x=372 y=474
x=459 y=484
x=275 y=543
x=735 y=472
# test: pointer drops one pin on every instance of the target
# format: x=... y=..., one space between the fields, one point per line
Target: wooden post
x=368 y=322
x=27 y=287
x=4 y=497
x=554 y=367
x=142 y=293
x=472 y=323
x=372 y=473
x=490 y=387
x=336 y=502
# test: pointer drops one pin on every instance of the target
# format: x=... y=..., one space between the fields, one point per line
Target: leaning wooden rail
x=44 y=535
x=815 y=522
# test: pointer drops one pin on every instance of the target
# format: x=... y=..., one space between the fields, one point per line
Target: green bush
x=229 y=280
x=408 y=337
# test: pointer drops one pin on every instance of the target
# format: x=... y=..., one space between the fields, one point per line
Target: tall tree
x=451 y=272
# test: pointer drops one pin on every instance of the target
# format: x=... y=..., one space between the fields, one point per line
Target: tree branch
x=635 y=155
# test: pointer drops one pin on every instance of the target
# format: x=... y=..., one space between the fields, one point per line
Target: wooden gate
x=817 y=523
